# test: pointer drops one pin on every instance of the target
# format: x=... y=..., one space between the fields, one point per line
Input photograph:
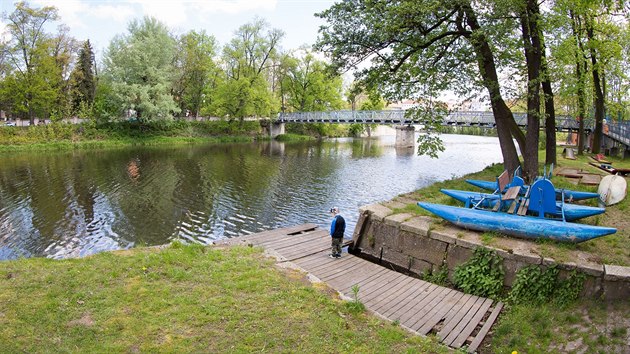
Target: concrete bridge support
x=405 y=136
x=273 y=129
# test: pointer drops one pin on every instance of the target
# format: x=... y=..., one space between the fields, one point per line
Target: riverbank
x=584 y=325
x=612 y=249
x=65 y=136
x=183 y=299
x=61 y=136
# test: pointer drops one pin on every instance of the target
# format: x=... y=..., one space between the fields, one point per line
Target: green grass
x=182 y=299
x=60 y=136
x=294 y=137
x=585 y=326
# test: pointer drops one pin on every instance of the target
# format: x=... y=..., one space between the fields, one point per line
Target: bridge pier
x=273 y=129
x=405 y=136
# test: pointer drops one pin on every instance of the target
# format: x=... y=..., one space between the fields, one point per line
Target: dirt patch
x=86 y=320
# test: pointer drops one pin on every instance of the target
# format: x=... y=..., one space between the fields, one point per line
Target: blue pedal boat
x=529 y=227
x=540 y=201
x=568 y=193
x=488 y=201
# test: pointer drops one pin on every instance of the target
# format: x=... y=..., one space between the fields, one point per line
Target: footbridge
x=617 y=135
x=392 y=117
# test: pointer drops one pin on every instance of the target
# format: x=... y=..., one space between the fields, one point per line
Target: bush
x=481 y=275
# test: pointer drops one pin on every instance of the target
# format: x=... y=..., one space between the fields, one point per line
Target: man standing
x=337 y=228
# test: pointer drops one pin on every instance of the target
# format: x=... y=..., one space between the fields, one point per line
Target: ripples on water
x=78 y=203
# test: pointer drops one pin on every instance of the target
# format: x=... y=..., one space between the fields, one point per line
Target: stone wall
x=419 y=244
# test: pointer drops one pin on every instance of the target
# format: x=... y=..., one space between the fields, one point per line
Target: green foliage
x=439 y=277
x=356 y=129
x=61 y=135
x=318 y=129
x=482 y=274
x=139 y=69
x=537 y=286
x=32 y=81
x=196 y=70
x=293 y=137
x=243 y=97
x=355 y=306
x=83 y=81
x=309 y=86
x=245 y=91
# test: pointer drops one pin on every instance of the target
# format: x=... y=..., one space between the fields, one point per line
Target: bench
x=510 y=194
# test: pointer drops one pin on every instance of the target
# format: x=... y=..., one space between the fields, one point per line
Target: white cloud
x=176 y=13
x=69 y=10
x=234 y=6
x=117 y=13
x=75 y=13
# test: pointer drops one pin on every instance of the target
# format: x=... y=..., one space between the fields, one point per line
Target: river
x=76 y=203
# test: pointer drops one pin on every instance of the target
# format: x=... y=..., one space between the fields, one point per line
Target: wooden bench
x=510 y=194
x=502 y=181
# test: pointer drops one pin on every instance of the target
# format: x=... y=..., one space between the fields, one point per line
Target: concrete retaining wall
x=419 y=244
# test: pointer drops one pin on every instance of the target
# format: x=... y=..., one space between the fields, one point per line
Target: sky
x=100 y=20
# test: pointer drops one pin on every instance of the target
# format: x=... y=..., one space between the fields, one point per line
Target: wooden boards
x=458 y=319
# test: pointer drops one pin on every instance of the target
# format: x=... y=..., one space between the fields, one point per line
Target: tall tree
x=422 y=48
x=248 y=61
x=592 y=35
x=139 y=68
x=532 y=44
x=196 y=69
x=83 y=79
x=597 y=85
x=64 y=49
x=28 y=52
x=310 y=86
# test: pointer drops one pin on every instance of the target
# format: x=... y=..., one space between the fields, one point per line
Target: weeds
x=355 y=306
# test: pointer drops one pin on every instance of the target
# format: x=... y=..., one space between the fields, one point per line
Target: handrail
x=460 y=118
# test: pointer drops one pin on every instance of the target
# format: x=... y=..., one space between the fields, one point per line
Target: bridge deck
x=458 y=319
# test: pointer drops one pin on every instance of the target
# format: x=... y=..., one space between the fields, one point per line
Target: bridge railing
x=619 y=131
x=467 y=118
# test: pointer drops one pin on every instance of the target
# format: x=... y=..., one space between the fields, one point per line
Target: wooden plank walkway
x=458 y=319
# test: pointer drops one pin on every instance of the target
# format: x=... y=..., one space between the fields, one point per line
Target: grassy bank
x=58 y=136
x=584 y=326
x=62 y=136
x=182 y=299
x=612 y=249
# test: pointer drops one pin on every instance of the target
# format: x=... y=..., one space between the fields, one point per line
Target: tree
x=248 y=59
x=63 y=50
x=422 y=48
x=196 y=69
x=309 y=86
x=83 y=79
x=589 y=41
x=139 y=68
x=28 y=53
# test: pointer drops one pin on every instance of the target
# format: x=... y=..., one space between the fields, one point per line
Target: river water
x=76 y=203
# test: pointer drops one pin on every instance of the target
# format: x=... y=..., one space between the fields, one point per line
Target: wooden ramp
x=458 y=319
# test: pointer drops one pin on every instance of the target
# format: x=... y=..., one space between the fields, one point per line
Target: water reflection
x=77 y=203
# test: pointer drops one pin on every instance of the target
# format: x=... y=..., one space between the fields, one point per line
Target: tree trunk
x=580 y=71
x=599 y=95
x=502 y=115
x=533 y=56
x=550 y=111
